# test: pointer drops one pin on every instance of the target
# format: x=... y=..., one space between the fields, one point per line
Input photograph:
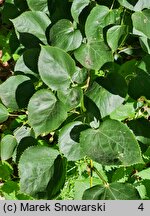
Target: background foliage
x=75 y=99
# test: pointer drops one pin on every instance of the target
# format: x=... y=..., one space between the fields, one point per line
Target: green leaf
x=80 y=75
x=55 y=67
x=41 y=5
x=34 y=23
x=70 y=97
x=144 y=174
x=116 y=36
x=113 y=191
x=77 y=7
x=140 y=128
x=64 y=35
x=6 y=15
x=58 y=180
x=8 y=144
x=122 y=174
x=4 y=114
x=114 y=83
x=145 y=44
x=28 y=63
x=6 y=170
x=81 y=185
x=16 y=91
x=46 y=113
x=9 y=190
x=36 y=168
x=22 y=132
x=141 y=23
x=99 y=17
x=22 y=146
x=142 y=4
x=112 y=143
x=106 y=101
x=67 y=144
x=139 y=86
x=135 y=5
x=124 y=111
x=127 y=69
x=22 y=196
x=10 y=187
x=126 y=4
x=93 y=55
x=145 y=64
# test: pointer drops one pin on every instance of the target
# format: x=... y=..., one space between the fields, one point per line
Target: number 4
x=141 y=207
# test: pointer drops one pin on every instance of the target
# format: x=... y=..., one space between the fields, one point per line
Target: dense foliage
x=75 y=99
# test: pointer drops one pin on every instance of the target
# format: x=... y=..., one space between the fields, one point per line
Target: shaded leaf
x=106 y=101
x=28 y=62
x=77 y=7
x=34 y=23
x=22 y=146
x=114 y=83
x=58 y=180
x=16 y=91
x=145 y=44
x=139 y=86
x=141 y=129
x=69 y=146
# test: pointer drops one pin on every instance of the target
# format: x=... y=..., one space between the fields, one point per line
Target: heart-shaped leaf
x=112 y=143
x=28 y=63
x=34 y=23
x=46 y=113
x=113 y=191
x=116 y=35
x=55 y=67
x=77 y=7
x=93 y=55
x=36 y=168
x=70 y=97
x=99 y=17
x=65 y=36
x=135 y=5
x=16 y=91
x=105 y=100
x=38 y=5
x=141 y=23
x=68 y=146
